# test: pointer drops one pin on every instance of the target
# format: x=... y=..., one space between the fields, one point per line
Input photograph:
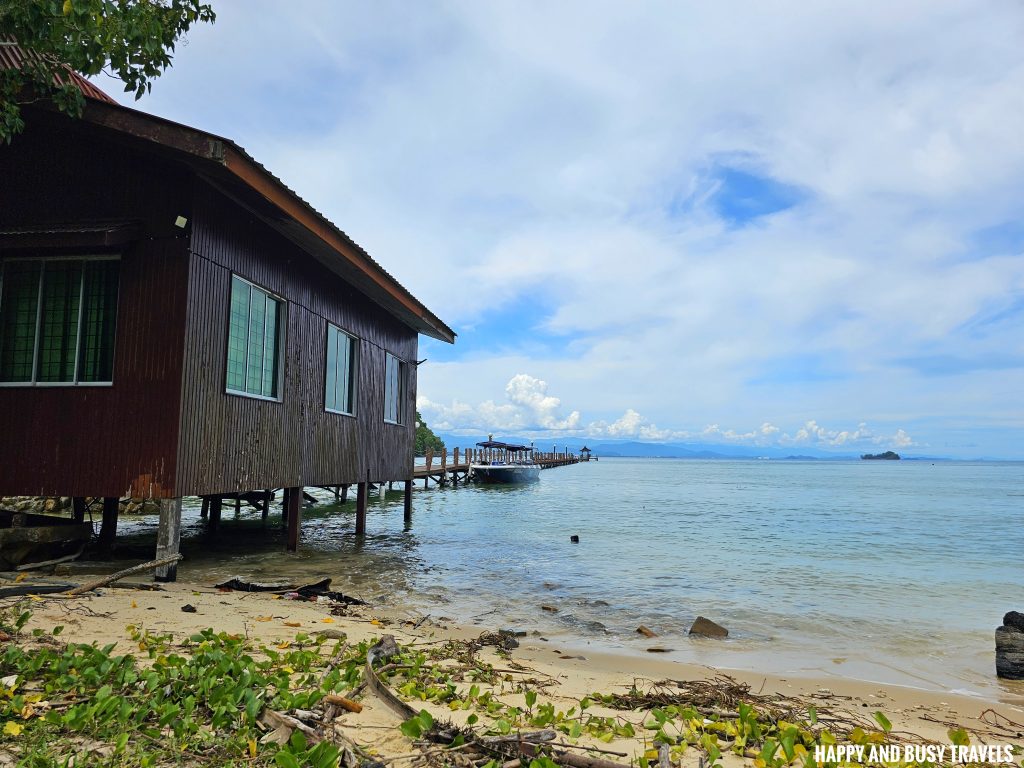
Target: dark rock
x=646 y=631
x=708 y=628
x=187 y=608
x=659 y=649
x=1014 y=619
x=574 y=539
x=1010 y=653
x=507 y=640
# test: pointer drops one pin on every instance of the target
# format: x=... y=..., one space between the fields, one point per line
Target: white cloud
x=529 y=409
x=493 y=155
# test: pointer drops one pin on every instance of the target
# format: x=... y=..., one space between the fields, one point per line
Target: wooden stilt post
x=444 y=466
x=204 y=512
x=361 y=509
x=284 y=507
x=216 y=502
x=168 y=537
x=344 y=493
x=455 y=467
x=267 y=496
x=238 y=506
x=108 y=528
x=408 y=502
x=294 y=517
x=78 y=503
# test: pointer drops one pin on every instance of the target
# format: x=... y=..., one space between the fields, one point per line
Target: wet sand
x=577 y=670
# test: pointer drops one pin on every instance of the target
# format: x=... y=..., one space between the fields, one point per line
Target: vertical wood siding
x=121 y=439
x=236 y=443
x=166 y=427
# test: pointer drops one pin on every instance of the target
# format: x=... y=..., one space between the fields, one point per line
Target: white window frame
x=39 y=320
x=354 y=366
x=281 y=341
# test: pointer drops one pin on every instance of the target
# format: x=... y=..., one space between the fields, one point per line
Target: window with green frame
x=254 y=340
x=340 y=394
x=57 y=320
x=394 y=389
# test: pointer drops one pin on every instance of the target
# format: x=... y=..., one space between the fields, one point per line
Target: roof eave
x=228 y=156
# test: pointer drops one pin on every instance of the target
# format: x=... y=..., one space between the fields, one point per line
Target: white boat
x=514 y=465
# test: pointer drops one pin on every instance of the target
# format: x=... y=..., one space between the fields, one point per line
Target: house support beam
x=78 y=504
x=361 y=492
x=294 y=517
x=216 y=502
x=108 y=528
x=408 y=502
x=168 y=538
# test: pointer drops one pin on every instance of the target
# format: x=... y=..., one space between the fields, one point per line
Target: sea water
x=895 y=571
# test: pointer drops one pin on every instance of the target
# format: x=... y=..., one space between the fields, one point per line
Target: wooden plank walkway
x=444 y=470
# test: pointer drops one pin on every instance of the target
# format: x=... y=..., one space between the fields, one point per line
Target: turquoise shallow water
x=890 y=571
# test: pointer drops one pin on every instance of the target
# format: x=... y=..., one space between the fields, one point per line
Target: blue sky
x=760 y=224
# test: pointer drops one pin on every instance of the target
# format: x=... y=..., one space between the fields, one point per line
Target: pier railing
x=441 y=469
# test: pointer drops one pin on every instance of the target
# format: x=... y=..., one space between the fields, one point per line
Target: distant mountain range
x=637 y=449
x=634 y=448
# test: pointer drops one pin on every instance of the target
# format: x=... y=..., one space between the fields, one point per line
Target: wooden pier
x=442 y=470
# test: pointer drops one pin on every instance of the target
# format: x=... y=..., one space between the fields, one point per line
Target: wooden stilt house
x=175 y=321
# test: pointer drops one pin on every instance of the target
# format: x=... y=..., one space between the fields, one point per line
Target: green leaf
x=286 y=760
x=959 y=737
x=882 y=721
x=531 y=699
x=411 y=728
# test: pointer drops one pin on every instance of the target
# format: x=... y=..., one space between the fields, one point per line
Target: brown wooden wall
x=236 y=443
x=122 y=439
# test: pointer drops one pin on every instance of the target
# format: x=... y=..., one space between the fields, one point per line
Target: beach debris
x=238 y=584
x=319 y=591
x=55 y=561
x=346 y=704
x=575 y=539
x=646 y=631
x=152 y=565
x=549 y=608
x=513 y=632
x=188 y=608
x=707 y=628
x=1010 y=647
x=332 y=634
x=34 y=589
x=503 y=639
x=659 y=649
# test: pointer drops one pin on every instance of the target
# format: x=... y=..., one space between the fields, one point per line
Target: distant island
x=887 y=456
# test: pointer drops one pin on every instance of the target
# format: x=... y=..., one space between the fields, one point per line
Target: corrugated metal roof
x=12 y=56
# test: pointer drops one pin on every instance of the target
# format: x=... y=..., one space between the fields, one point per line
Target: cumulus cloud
x=700 y=214
x=528 y=408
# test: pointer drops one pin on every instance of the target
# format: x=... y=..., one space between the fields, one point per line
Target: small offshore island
x=887 y=456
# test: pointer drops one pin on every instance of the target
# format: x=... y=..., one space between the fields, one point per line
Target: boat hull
x=505 y=474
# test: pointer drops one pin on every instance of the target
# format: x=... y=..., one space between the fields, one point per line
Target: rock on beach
x=1010 y=647
x=708 y=628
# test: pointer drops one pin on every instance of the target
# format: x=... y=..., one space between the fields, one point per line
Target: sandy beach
x=567 y=672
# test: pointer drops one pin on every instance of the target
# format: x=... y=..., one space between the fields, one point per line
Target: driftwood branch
x=383 y=650
x=151 y=565
x=55 y=561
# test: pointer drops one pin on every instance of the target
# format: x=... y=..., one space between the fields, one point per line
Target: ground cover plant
x=218 y=699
